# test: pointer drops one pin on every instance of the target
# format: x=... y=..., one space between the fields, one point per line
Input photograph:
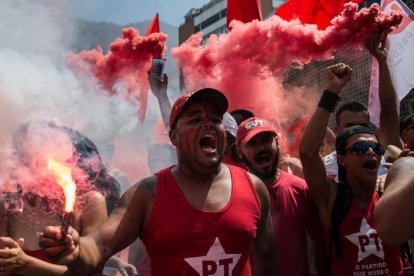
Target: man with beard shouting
x=292 y=210
x=200 y=217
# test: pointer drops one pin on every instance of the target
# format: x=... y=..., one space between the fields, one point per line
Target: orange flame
x=63 y=176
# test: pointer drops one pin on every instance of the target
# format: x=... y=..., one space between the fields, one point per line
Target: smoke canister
x=157 y=67
x=65 y=223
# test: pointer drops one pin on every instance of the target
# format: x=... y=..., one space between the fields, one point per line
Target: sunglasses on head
x=363 y=146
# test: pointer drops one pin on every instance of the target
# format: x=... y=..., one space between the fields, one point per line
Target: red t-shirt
x=363 y=252
x=182 y=240
x=293 y=214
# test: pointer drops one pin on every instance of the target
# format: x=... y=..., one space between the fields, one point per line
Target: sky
x=123 y=12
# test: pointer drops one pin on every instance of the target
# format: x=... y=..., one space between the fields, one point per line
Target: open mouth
x=208 y=143
x=263 y=158
x=371 y=165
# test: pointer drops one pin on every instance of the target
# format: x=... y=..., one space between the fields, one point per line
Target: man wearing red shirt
x=354 y=245
x=293 y=213
x=200 y=217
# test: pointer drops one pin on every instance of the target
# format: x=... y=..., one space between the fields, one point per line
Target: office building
x=211 y=19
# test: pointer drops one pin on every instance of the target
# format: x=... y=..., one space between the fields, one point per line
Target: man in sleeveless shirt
x=200 y=217
x=362 y=252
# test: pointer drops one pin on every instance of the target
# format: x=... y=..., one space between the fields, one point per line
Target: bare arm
x=123 y=267
x=3 y=220
x=330 y=138
x=93 y=212
x=317 y=257
x=392 y=153
x=14 y=259
x=159 y=89
x=293 y=164
x=3 y=227
x=395 y=210
x=313 y=167
x=123 y=226
x=389 y=130
x=264 y=244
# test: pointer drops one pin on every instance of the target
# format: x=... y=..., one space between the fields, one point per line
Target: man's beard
x=270 y=174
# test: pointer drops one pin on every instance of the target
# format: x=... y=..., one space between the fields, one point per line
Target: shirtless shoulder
x=91 y=198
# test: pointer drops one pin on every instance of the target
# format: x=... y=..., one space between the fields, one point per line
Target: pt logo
x=367 y=241
x=215 y=262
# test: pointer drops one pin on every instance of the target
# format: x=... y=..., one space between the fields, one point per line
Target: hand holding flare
x=64 y=179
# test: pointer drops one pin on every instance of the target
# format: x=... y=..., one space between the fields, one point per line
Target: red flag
x=154 y=27
x=297 y=9
x=319 y=12
x=243 y=10
x=296 y=131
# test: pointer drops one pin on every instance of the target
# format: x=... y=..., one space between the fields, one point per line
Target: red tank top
x=38 y=254
x=363 y=252
x=183 y=240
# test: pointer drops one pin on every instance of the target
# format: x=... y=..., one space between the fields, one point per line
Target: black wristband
x=329 y=100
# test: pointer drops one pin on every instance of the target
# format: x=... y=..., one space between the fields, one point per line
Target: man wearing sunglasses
x=355 y=113
x=354 y=245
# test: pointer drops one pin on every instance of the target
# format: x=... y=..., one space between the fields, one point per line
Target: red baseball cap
x=251 y=127
x=206 y=95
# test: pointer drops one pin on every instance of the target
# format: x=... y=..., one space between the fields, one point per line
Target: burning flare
x=63 y=176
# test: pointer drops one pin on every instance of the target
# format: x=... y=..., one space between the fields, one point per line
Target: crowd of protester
x=229 y=201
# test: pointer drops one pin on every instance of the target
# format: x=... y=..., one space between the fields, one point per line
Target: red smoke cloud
x=269 y=47
x=124 y=68
x=248 y=63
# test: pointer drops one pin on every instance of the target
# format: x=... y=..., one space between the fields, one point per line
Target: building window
x=223 y=13
x=217 y=31
x=211 y=20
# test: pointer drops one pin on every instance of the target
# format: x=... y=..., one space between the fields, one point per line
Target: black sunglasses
x=363 y=146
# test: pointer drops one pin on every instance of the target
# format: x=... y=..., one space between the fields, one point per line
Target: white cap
x=230 y=124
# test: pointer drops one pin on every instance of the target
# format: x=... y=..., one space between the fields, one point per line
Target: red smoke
x=133 y=162
x=271 y=46
x=34 y=144
x=248 y=63
x=161 y=133
x=124 y=68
